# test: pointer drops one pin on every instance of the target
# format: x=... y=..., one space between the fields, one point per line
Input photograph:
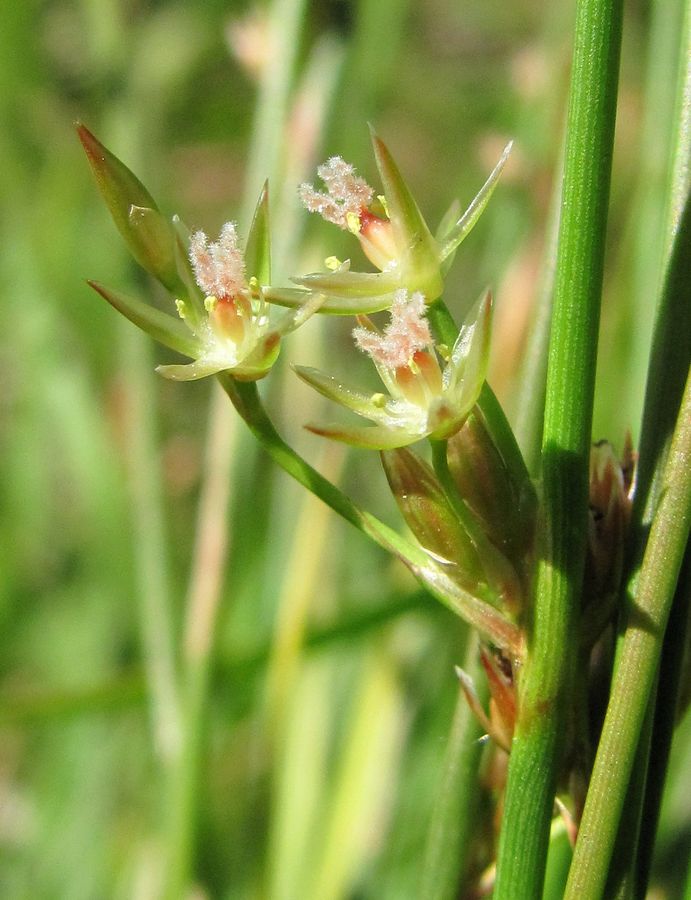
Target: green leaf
x=192 y=292
x=334 y=306
x=466 y=370
x=353 y=286
x=375 y=437
x=165 y=329
x=448 y=221
x=294 y=318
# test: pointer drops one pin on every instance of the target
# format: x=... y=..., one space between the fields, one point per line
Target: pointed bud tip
x=91 y=144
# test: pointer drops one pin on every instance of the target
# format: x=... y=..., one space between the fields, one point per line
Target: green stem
x=545 y=684
x=476 y=612
x=530 y=409
x=666 y=710
x=670 y=359
x=647 y=615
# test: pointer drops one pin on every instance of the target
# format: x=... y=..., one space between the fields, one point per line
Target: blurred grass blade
x=456 y=802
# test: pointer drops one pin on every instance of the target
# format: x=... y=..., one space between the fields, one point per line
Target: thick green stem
x=648 y=615
x=545 y=684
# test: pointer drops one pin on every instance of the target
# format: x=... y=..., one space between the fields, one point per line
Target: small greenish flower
x=237 y=335
x=391 y=231
x=223 y=321
x=424 y=398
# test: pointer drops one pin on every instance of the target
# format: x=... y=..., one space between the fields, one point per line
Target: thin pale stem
x=212 y=535
x=150 y=545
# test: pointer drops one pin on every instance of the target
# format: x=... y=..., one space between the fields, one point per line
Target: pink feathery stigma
x=346 y=193
x=219 y=268
x=407 y=332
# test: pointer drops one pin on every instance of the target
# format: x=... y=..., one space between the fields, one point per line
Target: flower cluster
x=225 y=324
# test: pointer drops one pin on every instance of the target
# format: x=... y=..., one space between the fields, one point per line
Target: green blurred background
x=330 y=686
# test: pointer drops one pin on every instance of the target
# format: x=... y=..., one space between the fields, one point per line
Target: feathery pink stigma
x=219 y=268
x=407 y=332
x=346 y=193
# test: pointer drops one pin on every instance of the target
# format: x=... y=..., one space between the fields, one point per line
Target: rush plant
x=567 y=573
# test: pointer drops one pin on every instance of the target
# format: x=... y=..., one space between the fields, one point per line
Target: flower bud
x=506 y=509
x=427 y=513
x=150 y=237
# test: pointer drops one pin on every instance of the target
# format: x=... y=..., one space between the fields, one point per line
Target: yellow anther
x=210 y=303
x=181 y=307
x=353 y=222
x=254 y=284
x=332 y=263
x=379 y=400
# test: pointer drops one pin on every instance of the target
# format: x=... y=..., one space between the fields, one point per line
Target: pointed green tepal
x=454 y=234
x=167 y=330
x=410 y=229
x=148 y=234
x=258 y=250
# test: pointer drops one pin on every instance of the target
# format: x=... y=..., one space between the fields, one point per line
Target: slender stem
x=666 y=709
x=545 y=684
x=530 y=409
x=648 y=615
x=476 y=612
x=670 y=359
